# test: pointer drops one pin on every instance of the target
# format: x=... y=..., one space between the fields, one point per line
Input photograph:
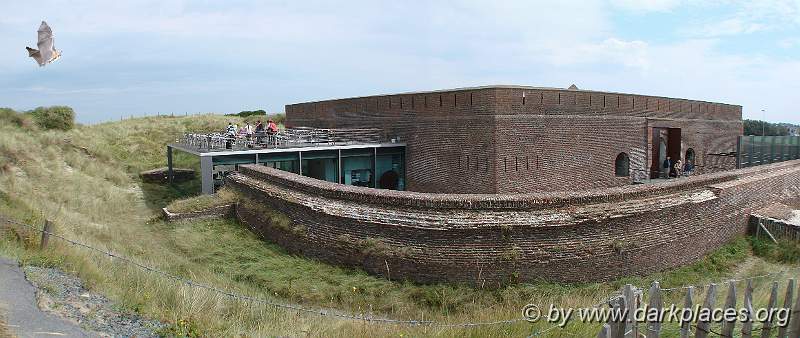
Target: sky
x=131 y=58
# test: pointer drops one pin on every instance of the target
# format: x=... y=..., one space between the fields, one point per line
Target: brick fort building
x=519 y=139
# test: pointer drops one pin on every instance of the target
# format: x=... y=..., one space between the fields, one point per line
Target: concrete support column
x=170 y=173
x=339 y=163
x=300 y=163
x=207 y=174
x=375 y=167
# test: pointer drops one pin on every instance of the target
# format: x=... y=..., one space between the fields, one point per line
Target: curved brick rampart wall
x=516 y=139
x=493 y=239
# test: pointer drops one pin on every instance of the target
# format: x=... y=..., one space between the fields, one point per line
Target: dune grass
x=203 y=202
x=86 y=181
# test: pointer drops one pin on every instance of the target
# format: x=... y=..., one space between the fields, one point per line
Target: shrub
x=247 y=113
x=55 y=117
x=8 y=115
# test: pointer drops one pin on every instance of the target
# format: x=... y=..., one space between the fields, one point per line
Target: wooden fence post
x=617 y=328
x=730 y=303
x=48 y=228
x=794 y=322
x=703 y=326
x=686 y=325
x=654 y=302
x=773 y=299
x=747 y=326
x=631 y=329
x=787 y=304
x=605 y=332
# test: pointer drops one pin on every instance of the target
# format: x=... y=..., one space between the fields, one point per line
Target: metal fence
x=287 y=138
x=758 y=150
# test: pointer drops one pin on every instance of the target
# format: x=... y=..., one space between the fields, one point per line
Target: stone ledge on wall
x=220 y=211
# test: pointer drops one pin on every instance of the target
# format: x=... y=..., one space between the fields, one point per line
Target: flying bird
x=47 y=52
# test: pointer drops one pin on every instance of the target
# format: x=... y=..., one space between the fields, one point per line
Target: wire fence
x=266 y=302
x=358 y=317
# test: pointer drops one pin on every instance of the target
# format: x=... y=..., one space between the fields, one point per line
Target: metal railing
x=286 y=138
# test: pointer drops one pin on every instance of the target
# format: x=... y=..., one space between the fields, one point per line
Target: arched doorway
x=690 y=156
x=690 y=159
x=622 y=165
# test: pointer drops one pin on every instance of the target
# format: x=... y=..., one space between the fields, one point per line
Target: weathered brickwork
x=504 y=139
x=219 y=211
x=491 y=239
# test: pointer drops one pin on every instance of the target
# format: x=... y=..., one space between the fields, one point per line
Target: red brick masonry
x=519 y=139
x=490 y=239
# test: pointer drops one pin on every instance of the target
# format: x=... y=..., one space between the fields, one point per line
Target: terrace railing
x=286 y=138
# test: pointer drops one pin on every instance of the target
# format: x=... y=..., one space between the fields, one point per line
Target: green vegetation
x=785 y=251
x=202 y=202
x=55 y=117
x=254 y=115
x=759 y=128
x=247 y=113
x=13 y=118
x=86 y=180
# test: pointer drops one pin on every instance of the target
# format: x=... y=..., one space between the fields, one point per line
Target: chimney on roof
x=573 y=87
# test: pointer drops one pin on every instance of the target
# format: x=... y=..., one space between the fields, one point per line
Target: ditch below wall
x=494 y=239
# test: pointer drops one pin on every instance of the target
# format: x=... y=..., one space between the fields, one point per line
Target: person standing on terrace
x=272 y=128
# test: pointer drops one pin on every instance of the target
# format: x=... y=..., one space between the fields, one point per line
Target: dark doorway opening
x=622 y=165
x=666 y=143
x=389 y=180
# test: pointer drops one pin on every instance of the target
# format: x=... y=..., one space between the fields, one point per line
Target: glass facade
x=322 y=165
x=390 y=168
x=382 y=168
x=358 y=167
x=223 y=165
x=284 y=161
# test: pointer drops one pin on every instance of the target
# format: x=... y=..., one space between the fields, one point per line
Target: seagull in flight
x=47 y=52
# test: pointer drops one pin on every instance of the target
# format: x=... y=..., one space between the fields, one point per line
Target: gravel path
x=65 y=296
x=19 y=315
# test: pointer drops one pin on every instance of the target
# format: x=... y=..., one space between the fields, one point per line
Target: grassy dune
x=86 y=181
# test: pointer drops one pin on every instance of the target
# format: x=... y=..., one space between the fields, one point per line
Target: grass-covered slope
x=86 y=181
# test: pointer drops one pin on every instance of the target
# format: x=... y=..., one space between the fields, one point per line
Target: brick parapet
x=528 y=201
x=494 y=239
x=494 y=100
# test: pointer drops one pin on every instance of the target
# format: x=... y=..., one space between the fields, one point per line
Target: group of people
x=248 y=130
x=670 y=169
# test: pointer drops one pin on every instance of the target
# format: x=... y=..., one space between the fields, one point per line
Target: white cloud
x=747 y=17
x=646 y=5
x=732 y=26
x=145 y=56
x=789 y=42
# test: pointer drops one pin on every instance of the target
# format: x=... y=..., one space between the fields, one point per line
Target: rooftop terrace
x=283 y=139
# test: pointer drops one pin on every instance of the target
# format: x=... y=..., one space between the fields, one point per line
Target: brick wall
x=504 y=139
x=591 y=235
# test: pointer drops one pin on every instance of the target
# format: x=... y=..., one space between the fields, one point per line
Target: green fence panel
x=758 y=150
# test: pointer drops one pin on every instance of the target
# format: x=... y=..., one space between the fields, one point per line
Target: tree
x=758 y=127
